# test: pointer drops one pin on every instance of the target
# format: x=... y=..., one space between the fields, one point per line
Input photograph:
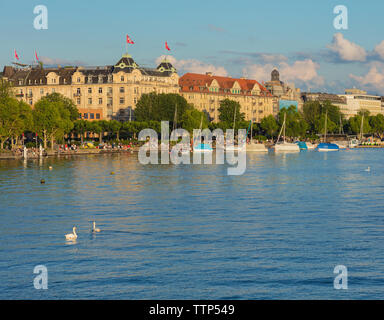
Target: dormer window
x=122 y=79
x=78 y=80
x=109 y=78
x=89 y=79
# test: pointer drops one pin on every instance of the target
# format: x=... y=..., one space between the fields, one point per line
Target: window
x=98 y=116
x=78 y=80
x=135 y=101
x=100 y=100
x=53 y=81
x=122 y=90
x=79 y=115
x=78 y=101
x=92 y=116
x=122 y=78
x=122 y=100
x=78 y=91
x=85 y=115
x=89 y=100
x=89 y=90
x=53 y=90
x=100 y=90
x=20 y=82
x=41 y=91
x=109 y=90
x=109 y=101
x=89 y=79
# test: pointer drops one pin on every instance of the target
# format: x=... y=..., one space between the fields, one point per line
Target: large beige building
x=99 y=92
x=205 y=91
x=357 y=100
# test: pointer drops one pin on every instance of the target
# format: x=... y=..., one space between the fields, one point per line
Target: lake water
x=192 y=231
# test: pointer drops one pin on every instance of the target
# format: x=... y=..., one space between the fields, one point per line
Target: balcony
x=78 y=94
x=109 y=94
x=20 y=95
x=29 y=95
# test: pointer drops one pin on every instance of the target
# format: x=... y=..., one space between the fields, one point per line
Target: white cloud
x=373 y=80
x=194 y=66
x=58 y=61
x=379 y=49
x=302 y=72
x=347 y=50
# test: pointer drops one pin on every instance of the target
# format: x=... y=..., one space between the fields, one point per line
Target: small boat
x=326 y=146
x=256 y=147
x=302 y=145
x=311 y=146
x=253 y=146
x=285 y=146
x=353 y=143
x=203 y=147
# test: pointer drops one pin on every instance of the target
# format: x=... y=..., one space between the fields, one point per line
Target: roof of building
x=193 y=82
x=38 y=75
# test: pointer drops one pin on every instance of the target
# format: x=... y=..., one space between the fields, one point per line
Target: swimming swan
x=71 y=236
x=94 y=229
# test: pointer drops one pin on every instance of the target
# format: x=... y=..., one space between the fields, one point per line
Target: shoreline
x=78 y=152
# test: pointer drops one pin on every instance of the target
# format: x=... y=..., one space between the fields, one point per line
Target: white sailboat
x=254 y=146
x=284 y=146
x=202 y=147
x=232 y=147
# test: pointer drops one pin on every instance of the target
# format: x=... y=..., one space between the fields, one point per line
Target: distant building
x=285 y=94
x=335 y=99
x=205 y=91
x=108 y=92
x=357 y=100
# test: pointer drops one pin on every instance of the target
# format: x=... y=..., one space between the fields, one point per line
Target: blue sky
x=242 y=38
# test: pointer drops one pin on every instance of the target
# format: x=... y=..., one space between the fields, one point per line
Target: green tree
x=377 y=124
x=115 y=127
x=192 y=119
x=161 y=107
x=357 y=125
x=269 y=126
x=296 y=126
x=52 y=119
x=80 y=128
x=227 y=111
x=15 y=118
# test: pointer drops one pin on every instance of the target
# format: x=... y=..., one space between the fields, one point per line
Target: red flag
x=166 y=46
x=37 y=58
x=129 y=40
x=16 y=56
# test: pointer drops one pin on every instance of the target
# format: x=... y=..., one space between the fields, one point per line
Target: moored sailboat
x=285 y=146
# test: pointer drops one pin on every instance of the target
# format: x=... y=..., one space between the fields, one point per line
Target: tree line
x=55 y=118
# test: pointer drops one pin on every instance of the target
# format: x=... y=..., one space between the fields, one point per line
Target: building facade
x=285 y=94
x=206 y=91
x=109 y=92
x=357 y=100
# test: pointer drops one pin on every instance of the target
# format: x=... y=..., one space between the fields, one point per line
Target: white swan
x=368 y=169
x=71 y=236
x=94 y=229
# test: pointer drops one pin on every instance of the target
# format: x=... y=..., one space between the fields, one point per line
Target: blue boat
x=325 y=146
x=302 y=145
x=203 y=147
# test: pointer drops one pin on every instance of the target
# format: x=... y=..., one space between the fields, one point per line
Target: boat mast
x=325 y=129
x=362 y=127
x=284 y=124
x=175 y=118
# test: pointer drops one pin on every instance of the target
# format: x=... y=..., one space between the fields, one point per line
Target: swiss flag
x=37 y=58
x=16 y=56
x=129 y=40
x=166 y=46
